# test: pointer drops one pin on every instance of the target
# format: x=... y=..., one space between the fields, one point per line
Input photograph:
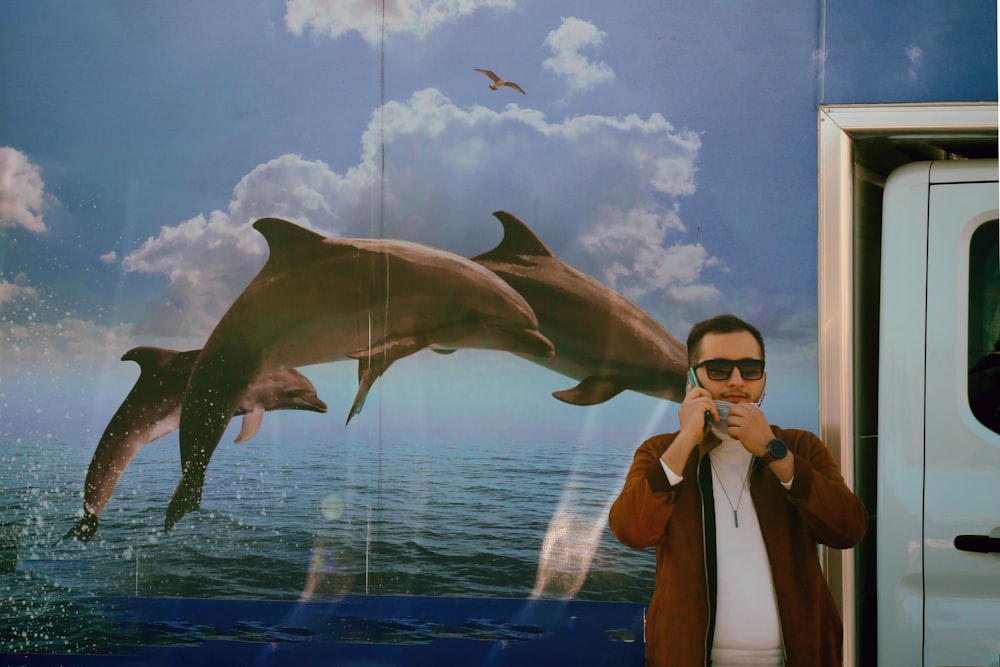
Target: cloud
x=34 y=330
x=699 y=294
x=633 y=243
x=22 y=192
x=915 y=55
x=447 y=168
x=109 y=257
x=67 y=342
x=419 y=17
x=16 y=291
x=566 y=42
x=210 y=258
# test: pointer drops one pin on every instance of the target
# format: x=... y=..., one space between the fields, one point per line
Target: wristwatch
x=776 y=450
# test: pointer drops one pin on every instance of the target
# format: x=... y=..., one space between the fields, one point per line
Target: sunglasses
x=721 y=369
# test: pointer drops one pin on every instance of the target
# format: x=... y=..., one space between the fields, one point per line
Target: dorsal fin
x=161 y=370
x=518 y=240
x=158 y=357
x=286 y=238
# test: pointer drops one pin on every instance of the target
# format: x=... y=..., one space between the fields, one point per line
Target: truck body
x=908 y=296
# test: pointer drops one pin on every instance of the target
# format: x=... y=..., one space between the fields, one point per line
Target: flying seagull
x=497 y=81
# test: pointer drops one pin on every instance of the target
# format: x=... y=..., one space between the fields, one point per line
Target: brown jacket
x=819 y=508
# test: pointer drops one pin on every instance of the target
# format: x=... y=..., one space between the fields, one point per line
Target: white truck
x=909 y=312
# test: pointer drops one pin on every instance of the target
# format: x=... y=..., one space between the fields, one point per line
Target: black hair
x=720 y=324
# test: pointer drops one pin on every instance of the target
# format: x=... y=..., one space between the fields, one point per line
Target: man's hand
x=748 y=424
x=750 y=427
x=691 y=415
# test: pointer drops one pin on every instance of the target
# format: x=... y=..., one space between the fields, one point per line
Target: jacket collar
x=709 y=442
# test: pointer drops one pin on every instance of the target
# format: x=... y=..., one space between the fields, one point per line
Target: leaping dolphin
x=321 y=299
x=601 y=338
x=153 y=409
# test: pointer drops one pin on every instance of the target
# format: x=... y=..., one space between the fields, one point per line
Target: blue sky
x=666 y=148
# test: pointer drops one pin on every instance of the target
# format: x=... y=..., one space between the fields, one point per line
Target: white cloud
x=11 y=292
x=694 y=294
x=109 y=257
x=22 y=191
x=34 y=329
x=633 y=243
x=209 y=260
x=69 y=341
x=447 y=169
x=566 y=42
x=419 y=17
x=915 y=55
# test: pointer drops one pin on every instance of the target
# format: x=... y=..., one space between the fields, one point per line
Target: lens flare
x=332 y=507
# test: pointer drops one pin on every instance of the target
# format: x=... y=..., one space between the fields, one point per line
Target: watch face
x=777 y=449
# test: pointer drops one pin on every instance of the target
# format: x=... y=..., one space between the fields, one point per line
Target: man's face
x=733 y=346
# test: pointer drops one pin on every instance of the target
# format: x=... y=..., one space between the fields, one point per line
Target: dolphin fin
x=374 y=361
x=287 y=241
x=251 y=424
x=158 y=357
x=282 y=232
x=591 y=391
x=145 y=355
x=392 y=350
x=367 y=374
x=518 y=240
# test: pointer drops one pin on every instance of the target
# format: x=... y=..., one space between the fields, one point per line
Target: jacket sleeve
x=834 y=514
x=639 y=516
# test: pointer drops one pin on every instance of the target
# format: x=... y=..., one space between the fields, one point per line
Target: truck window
x=984 y=325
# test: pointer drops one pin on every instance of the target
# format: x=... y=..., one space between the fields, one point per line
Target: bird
x=497 y=81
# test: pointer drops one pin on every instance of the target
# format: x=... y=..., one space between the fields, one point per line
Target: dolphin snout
x=309 y=402
x=530 y=341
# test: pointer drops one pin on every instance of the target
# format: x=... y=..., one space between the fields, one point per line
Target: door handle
x=982 y=544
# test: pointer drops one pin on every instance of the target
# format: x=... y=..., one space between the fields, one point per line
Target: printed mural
x=451 y=249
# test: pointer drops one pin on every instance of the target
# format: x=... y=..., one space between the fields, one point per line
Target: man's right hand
x=692 y=415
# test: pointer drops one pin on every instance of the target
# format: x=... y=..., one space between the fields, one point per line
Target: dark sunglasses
x=721 y=369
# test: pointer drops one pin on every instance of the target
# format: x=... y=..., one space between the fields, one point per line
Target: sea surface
x=308 y=521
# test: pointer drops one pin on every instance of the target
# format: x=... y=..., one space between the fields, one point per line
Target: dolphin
x=320 y=299
x=601 y=338
x=153 y=408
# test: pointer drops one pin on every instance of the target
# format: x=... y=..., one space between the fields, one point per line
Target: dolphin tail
x=591 y=391
x=186 y=498
x=84 y=529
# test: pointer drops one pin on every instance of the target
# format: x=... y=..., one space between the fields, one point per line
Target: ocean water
x=308 y=521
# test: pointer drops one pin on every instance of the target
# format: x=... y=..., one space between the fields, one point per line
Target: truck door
x=961 y=494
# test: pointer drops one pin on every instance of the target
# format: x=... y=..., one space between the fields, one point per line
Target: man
x=735 y=509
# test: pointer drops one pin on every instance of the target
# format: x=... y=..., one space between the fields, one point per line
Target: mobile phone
x=693 y=382
x=693 y=378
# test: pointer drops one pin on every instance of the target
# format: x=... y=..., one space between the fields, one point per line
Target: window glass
x=984 y=325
